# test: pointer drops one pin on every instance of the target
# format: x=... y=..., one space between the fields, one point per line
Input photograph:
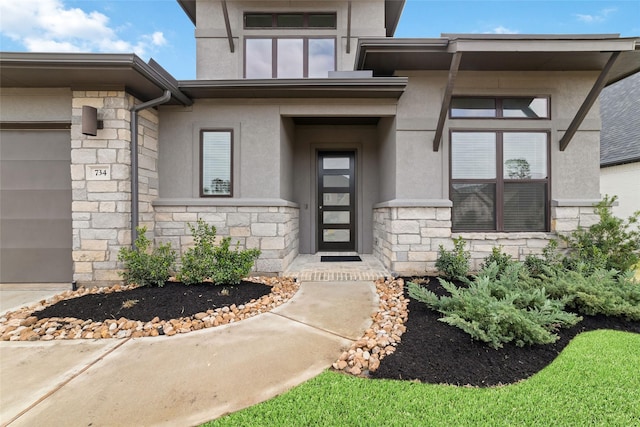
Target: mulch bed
x=434 y=352
x=172 y=301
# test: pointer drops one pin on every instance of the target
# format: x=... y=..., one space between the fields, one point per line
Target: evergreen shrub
x=144 y=268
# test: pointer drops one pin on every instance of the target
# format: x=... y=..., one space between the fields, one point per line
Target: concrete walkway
x=185 y=379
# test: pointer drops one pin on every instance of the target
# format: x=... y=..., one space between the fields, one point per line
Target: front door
x=336 y=201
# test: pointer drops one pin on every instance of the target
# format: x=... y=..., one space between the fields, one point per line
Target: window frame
x=499 y=181
x=305 y=53
x=499 y=106
x=201 y=162
x=274 y=20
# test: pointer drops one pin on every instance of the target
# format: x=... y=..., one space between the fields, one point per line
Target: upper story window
x=290 y=20
x=298 y=57
x=533 y=107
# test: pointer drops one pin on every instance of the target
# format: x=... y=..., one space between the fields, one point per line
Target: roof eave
x=388 y=87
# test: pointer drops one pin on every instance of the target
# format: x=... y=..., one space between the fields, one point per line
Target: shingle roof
x=620 y=112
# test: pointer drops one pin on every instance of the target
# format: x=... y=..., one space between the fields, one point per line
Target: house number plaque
x=98 y=172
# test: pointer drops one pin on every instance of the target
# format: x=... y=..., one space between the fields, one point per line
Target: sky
x=159 y=29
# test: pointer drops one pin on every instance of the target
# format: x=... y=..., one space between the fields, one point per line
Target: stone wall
x=272 y=229
x=407 y=239
x=101 y=183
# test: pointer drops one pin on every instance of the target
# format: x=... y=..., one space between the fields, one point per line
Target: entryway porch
x=309 y=267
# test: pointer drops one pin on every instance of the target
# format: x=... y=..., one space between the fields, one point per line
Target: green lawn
x=594 y=382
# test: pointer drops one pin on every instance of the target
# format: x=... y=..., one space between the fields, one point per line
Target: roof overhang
x=89 y=71
x=501 y=53
x=384 y=87
x=614 y=58
x=392 y=12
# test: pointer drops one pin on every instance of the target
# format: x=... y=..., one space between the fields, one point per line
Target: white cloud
x=51 y=26
x=501 y=30
x=599 y=17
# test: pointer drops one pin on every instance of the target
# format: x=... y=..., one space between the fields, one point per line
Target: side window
x=216 y=168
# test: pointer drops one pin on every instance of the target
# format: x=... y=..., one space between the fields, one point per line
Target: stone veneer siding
x=272 y=229
x=101 y=209
x=407 y=238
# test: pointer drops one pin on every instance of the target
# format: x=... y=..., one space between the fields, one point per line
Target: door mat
x=338 y=258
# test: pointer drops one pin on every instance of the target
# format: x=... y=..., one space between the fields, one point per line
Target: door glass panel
x=335 y=217
x=290 y=58
x=335 y=163
x=335 y=199
x=335 y=181
x=332 y=235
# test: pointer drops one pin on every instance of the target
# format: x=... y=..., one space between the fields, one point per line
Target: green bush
x=550 y=260
x=595 y=292
x=144 y=268
x=498 y=257
x=198 y=262
x=232 y=265
x=611 y=243
x=454 y=264
x=499 y=308
x=206 y=261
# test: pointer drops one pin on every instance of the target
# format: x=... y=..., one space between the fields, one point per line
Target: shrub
x=144 y=268
x=198 y=262
x=551 y=259
x=454 y=264
x=206 y=261
x=498 y=309
x=232 y=265
x=599 y=292
x=498 y=257
x=610 y=243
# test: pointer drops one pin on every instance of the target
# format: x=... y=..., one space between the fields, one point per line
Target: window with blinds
x=500 y=180
x=216 y=150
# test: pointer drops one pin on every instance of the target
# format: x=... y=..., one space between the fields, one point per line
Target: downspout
x=134 y=159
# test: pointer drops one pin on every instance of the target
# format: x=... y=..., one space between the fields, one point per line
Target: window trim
x=305 y=53
x=500 y=180
x=274 y=20
x=499 y=100
x=201 y=162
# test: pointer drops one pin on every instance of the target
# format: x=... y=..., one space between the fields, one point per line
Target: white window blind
x=216 y=163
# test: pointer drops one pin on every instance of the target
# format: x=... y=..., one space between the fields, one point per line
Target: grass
x=594 y=382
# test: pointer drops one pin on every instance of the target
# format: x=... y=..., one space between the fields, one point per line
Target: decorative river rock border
x=21 y=325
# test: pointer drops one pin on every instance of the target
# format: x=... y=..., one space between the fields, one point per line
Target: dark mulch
x=172 y=301
x=434 y=352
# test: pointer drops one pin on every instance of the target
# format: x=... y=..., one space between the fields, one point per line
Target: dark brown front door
x=336 y=201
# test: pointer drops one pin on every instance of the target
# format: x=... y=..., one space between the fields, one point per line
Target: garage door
x=35 y=206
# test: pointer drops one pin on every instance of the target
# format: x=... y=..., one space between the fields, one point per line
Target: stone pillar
x=100 y=174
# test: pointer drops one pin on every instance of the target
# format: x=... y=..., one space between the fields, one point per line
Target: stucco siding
x=35 y=105
x=624 y=182
x=216 y=61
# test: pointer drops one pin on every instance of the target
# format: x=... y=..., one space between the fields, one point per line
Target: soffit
x=389 y=87
x=88 y=72
x=532 y=53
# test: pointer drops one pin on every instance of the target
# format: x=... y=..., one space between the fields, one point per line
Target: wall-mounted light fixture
x=90 y=122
